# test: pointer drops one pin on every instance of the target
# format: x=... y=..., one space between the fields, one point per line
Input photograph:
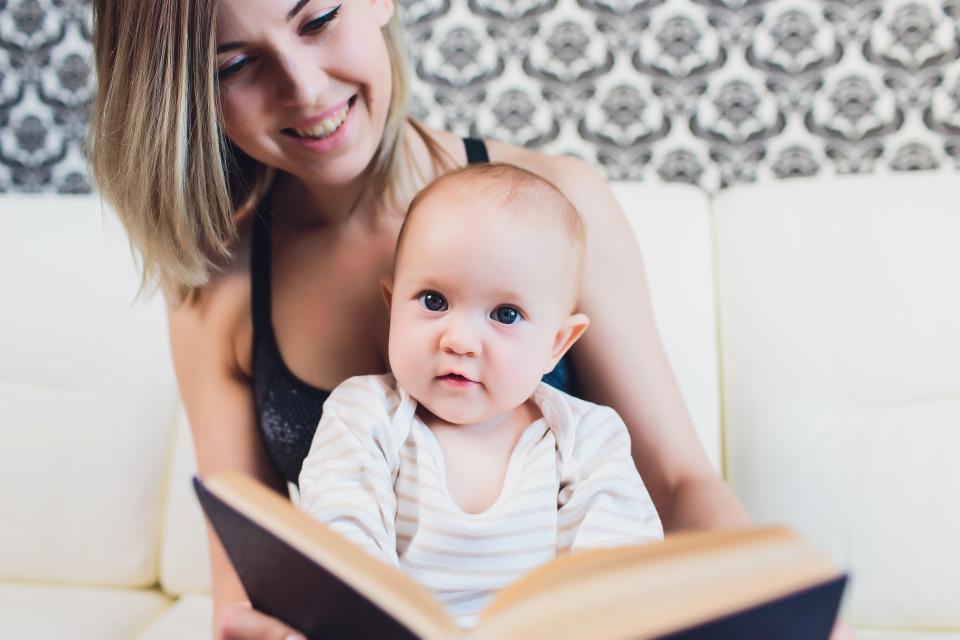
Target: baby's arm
x=347 y=480
x=603 y=502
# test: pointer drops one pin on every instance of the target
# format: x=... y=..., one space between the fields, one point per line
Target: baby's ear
x=386 y=290
x=568 y=333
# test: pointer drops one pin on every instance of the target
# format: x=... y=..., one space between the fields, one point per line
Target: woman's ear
x=386 y=290
x=383 y=11
x=568 y=333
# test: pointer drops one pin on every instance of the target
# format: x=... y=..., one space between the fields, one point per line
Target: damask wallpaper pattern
x=709 y=92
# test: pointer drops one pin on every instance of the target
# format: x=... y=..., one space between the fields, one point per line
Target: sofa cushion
x=673 y=227
x=185 y=558
x=87 y=398
x=189 y=619
x=54 y=613
x=841 y=378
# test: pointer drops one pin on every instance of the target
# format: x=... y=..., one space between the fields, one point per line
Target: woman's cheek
x=361 y=55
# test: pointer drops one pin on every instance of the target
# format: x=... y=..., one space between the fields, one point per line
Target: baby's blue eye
x=433 y=301
x=505 y=315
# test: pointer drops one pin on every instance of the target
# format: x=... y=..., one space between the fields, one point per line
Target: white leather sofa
x=814 y=326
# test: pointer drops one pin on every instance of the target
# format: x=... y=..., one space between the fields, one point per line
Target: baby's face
x=477 y=302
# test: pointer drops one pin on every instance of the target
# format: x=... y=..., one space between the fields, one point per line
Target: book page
x=653 y=589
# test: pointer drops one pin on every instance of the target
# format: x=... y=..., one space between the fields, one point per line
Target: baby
x=463 y=468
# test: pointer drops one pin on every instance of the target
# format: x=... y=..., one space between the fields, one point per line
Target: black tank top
x=287 y=407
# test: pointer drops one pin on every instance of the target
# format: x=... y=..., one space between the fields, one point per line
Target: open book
x=756 y=583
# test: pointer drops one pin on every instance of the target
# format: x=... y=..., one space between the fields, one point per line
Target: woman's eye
x=505 y=314
x=318 y=23
x=232 y=69
x=433 y=301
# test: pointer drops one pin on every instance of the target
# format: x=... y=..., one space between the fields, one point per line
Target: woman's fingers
x=239 y=621
x=842 y=631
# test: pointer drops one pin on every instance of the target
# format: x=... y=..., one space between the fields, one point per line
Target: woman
x=261 y=159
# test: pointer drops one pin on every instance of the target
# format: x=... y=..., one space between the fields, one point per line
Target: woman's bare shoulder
x=215 y=321
x=576 y=178
x=580 y=181
x=569 y=173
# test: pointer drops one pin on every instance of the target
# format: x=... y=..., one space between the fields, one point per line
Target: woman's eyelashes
x=320 y=22
x=234 y=68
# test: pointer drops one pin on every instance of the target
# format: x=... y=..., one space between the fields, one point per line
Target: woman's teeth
x=325 y=127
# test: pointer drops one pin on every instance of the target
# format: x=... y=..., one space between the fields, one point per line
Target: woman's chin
x=340 y=167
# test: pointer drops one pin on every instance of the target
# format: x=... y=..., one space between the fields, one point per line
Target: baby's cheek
x=405 y=355
x=408 y=371
x=520 y=374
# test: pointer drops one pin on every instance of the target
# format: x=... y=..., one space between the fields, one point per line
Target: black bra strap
x=476 y=150
x=260 y=273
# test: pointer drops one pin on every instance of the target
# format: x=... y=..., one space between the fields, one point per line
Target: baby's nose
x=460 y=339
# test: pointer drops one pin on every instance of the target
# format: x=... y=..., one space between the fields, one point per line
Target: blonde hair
x=510 y=189
x=157 y=150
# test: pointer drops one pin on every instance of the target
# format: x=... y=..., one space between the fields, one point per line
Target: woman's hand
x=239 y=621
x=841 y=631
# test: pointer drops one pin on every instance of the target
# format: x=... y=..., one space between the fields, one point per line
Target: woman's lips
x=328 y=113
x=329 y=142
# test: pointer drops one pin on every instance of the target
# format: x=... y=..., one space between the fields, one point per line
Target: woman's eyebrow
x=229 y=46
x=296 y=9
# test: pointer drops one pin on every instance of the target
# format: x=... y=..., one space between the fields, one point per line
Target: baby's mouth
x=456 y=379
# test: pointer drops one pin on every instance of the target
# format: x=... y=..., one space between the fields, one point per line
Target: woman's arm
x=620 y=361
x=204 y=337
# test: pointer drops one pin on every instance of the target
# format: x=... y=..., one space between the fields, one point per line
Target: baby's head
x=485 y=286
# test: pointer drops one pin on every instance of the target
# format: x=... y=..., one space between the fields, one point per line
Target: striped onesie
x=375 y=473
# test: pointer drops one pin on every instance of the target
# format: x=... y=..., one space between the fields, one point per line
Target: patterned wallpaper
x=709 y=92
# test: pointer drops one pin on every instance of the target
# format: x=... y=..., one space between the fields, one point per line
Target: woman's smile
x=325 y=132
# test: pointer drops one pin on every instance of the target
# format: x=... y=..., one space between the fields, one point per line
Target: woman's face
x=305 y=85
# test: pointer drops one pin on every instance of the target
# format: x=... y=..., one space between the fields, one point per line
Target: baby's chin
x=451 y=414
x=469 y=408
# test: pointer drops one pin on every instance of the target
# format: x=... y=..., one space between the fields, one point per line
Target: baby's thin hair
x=509 y=188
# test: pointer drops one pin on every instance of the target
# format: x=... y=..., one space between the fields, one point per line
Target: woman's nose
x=299 y=81
x=460 y=339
